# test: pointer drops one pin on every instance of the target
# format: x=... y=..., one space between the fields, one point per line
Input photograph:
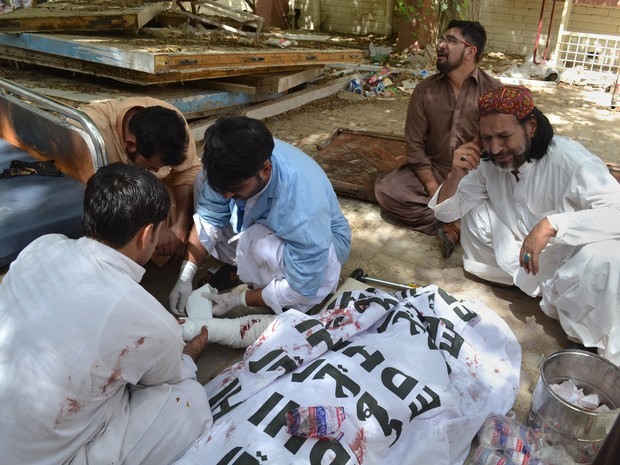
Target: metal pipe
x=363 y=277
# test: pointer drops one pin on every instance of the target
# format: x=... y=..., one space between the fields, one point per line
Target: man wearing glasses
x=442 y=115
x=268 y=208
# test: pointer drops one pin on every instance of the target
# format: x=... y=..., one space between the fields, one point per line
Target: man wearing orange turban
x=541 y=212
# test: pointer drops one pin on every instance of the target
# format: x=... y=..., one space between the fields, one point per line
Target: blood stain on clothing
x=358 y=446
x=229 y=434
x=67 y=408
x=115 y=376
x=329 y=315
x=345 y=312
x=117 y=373
x=470 y=362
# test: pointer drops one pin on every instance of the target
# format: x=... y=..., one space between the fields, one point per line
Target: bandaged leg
x=237 y=333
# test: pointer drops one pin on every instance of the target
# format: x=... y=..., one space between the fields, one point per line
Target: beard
x=449 y=64
x=519 y=155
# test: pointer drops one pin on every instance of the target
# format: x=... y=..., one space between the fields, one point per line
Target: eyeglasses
x=451 y=40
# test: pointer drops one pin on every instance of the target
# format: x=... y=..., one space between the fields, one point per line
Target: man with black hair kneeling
x=270 y=209
x=153 y=134
x=93 y=368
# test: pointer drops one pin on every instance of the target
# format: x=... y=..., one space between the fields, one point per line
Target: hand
x=224 y=303
x=426 y=176
x=182 y=289
x=169 y=244
x=431 y=188
x=533 y=245
x=195 y=347
x=467 y=156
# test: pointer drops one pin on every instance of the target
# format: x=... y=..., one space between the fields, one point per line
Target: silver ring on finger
x=463 y=157
x=527 y=257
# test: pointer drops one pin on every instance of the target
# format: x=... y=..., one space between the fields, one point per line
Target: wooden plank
x=192 y=103
x=231 y=86
x=298 y=99
x=280 y=105
x=69 y=17
x=255 y=59
x=126 y=75
x=273 y=83
x=146 y=55
x=269 y=83
x=86 y=49
x=240 y=18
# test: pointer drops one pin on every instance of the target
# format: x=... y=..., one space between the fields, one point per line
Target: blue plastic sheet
x=31 y=206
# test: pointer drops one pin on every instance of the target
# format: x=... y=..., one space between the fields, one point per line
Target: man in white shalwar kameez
x=541 y=212
x=93 y=370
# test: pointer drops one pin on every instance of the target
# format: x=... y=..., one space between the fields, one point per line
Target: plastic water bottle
x=485 y=456
x=519 y=458
x=501 y=433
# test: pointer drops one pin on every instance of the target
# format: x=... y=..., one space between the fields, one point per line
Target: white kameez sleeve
x=470 y=191
x=208 y=234
x=448 y=210
x=595 y=194
x=586 y=226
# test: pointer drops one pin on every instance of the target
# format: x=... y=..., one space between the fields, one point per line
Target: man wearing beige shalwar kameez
x=156 y=135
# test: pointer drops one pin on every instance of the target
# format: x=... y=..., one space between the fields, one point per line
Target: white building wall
x=353 y=16
x=512 y=25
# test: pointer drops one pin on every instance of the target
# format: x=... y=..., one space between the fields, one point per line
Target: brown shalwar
x=437 y=123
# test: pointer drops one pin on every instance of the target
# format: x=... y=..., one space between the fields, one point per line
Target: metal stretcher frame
x=32 y=127
x=48 y=129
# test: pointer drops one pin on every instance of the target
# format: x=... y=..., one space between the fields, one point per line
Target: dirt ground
x=581 y=113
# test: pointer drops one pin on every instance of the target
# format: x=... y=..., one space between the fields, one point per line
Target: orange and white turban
x=513 y=100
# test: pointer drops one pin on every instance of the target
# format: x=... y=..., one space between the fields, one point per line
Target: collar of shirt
x=524 y=169
x=252 y=200
x=114 y=258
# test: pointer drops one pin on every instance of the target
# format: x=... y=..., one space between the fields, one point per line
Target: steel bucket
x=579 y=431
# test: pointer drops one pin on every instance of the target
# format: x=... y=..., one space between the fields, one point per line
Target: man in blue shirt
x=270 y=209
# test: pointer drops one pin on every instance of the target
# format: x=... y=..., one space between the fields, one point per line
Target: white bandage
x=237 y=333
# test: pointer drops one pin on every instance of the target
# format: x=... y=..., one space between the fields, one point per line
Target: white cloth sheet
x=417 y=373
